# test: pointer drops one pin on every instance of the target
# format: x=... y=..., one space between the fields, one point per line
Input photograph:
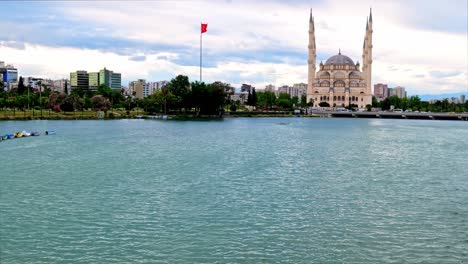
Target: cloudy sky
x=419 y=44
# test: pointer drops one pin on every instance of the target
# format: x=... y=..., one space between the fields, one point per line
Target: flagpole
x=201 y=33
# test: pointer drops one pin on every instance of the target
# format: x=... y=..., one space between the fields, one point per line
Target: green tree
x=303 y=100
x=254 y=99
x=21 y=87
x=180 y=89
x=375 y=102
x=104 y=90
x=295 y=100
x=65 y=88
x=284 y=101
x=414 y=102
x=208 y=99
x=266 y=99
x=164 y=98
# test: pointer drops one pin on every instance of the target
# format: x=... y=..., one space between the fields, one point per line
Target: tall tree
x=208 y=99
x=65 y=89
x=164 y=98
x=303 y=100
x=249 y=99
x=180 y=88
x=295 y=100
x=21 y=87
x=254 y=97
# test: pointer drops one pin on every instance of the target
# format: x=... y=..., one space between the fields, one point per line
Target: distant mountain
x=426 y=97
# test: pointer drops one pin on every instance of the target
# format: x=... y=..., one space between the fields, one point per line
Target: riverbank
x=76 y=115
x=93 y=115
x=119 y=114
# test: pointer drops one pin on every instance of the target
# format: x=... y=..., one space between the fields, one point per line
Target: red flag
x=204 y=27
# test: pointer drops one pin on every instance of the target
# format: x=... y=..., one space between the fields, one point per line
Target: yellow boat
x=18 y=134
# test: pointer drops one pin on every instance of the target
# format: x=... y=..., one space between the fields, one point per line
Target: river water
x=247 y=190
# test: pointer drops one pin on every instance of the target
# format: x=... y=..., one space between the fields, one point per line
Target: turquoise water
x=289 y=190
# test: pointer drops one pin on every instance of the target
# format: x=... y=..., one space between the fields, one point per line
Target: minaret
x=364 y=46
x=312 y=57
x=369 y=55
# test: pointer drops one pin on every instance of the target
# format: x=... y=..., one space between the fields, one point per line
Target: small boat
x=5 y=137
x=35 y=133
x=18 y=135
x=25 y=134
x=50 y=132
x=10 y=136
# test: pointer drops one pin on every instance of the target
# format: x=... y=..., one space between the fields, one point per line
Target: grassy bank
x=121 y=114
x=51 y=115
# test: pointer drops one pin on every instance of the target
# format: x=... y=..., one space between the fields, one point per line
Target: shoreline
x=358 y=115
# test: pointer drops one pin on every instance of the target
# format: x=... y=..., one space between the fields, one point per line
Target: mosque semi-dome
x=339 y=59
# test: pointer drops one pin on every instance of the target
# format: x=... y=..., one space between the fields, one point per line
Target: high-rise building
x=59 y=85
x=155 y=86
x=31 y=81
x=93 y=80
x=399 y=91
x=246 y=87
x=79 y=80
x=299 y=89
x=110 y=78
x=381 y=91
x=283 y=89
x=389 y=92
x=270 y=88
x=139 y=88
x=462 y=99
x=8 y=74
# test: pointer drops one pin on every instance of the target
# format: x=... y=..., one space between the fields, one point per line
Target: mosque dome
x=339 y=60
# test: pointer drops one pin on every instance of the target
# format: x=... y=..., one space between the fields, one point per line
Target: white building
x=155 y=86
x=399 y=91
x=59 y=85
x=33 y=82
x=270 y=88
x=240 y=96
x=298 y=89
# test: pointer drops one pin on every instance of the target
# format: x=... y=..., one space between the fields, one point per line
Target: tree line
x=182 y=96
x=179 y=95
x=415 y=103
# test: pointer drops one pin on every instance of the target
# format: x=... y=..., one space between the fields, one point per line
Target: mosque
x=339 y=81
